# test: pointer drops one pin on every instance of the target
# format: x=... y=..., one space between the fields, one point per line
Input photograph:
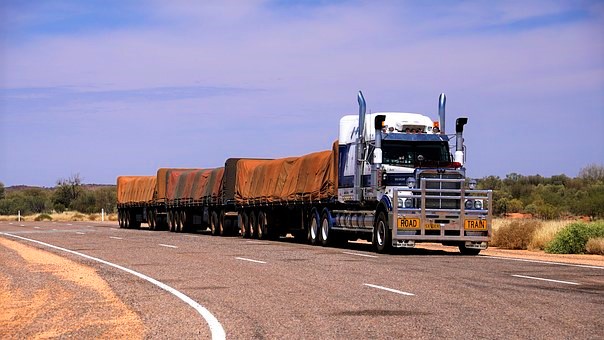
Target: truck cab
x=400 y=170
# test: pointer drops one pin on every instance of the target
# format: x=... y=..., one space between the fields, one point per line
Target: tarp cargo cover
x=306 y=178
x=193 y=184
x=135 y=189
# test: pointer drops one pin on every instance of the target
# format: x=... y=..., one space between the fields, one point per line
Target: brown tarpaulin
x=135 y=189
x=306 y=178
x=192 y=184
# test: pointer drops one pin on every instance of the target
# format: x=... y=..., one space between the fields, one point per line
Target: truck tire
x=127 y=219
x=313 y=227
x=326 y=234
x=253 y=224
x=171 y=222
x=262 y=226
x=382 y=237
x=184 y=221
x=222 y=230
x=214 y=227
x=151 y=219
x=177 y=221
x=242 y=221
x=120 y=218
x=468 y=251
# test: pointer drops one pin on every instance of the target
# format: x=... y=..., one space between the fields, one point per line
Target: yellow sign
x=408 y=223
x=431 y=226
x=475 y=224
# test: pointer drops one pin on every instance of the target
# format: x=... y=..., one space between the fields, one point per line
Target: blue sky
x=108 y=88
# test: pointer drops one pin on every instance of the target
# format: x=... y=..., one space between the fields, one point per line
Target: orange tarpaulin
x=191 y=184
x=305 y=178
x=135 y=189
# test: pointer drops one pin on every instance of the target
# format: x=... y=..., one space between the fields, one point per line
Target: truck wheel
x=151 y=220
x=326 y=235
x=242 y=221
x=127 y=219
x=253 y=224
x=171 y=224
x=262 y=227
x=120 y=218
x=468 y=251
x=382 y=237
x=313 y=228
x=184 y=224
x=222 y=230
x=214 y=228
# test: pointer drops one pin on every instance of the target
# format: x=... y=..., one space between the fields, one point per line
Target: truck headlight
x=408 y=203
x=469 y=204
x=478 y=204
x=411 y=182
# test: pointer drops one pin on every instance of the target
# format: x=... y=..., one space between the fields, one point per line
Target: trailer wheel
x=151 y=219
x=214 y=227
x=253 y=224
x=262 y=227
x=242 y=221
x=127 y=219
x=313 y=228
x=184 y=224
x=120 y=218
x=468 y=251
x=171 y=223
x=326 y=235
x=382 y=238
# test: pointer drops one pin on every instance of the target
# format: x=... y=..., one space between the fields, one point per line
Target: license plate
x=408 y=223
x=431 y=226
x=475 y=224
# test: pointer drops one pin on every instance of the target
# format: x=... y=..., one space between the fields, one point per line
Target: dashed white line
x=116 y=238
x=538 y=261
x=388 y=289
x=358 y=254
x=167 y=245
x=36 y=227
x=21 y=225
x=249 y=260
x=215 y=327
x=549 y=280
x=69 y=224
x=79 y=233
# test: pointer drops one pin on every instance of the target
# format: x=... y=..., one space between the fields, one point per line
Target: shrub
x=573 y=238
x=93 y=217
x=515 y=235
x=59 y=208
x=595 y=246
x=77 y=217
x=43 y=217
x=544 y=235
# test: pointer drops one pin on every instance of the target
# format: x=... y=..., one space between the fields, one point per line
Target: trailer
x=391 y=178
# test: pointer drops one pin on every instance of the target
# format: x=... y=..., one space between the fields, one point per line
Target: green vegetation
x=549 y=198
x=573 y=239
x=69 y=194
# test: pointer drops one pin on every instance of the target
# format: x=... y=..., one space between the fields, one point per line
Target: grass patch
x=43 y=217
x=516 y=234
x=595 y=246
x=78 y=217
x=544 y=235
x=574 y=237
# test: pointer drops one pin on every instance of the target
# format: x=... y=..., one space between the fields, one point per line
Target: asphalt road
x=265 y=289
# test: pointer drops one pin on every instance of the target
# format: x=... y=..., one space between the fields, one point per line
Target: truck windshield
x=406 y=153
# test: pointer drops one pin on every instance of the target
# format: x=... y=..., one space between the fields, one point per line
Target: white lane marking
x=79 y=233
x=549 y=280
x=116 y=238
x=215 y=327
x=358 y=254
x=36 y=227
x=21 y=225
x=11 y=223
x=167 y=245
x=388 y=289
x=538 y=261
x=69 y=224
x=256 y=242
x=250 y=260
x=55 y=229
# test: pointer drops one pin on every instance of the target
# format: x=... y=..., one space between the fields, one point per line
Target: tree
x=592 y=173
x=1 y=190
x=67 y=191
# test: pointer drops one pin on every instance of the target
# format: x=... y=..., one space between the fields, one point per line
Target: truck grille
x=435 y=203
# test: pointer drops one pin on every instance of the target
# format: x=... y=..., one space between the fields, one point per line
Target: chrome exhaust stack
x=442 y=100
x=360 y=146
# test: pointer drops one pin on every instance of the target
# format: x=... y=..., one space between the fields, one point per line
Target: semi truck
x=391 y=178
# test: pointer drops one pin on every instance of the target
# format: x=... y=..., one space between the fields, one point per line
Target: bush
x=515 y=235
x=595 y=246
x=573 y=239
x=43 y=217
x=59 y=208
x=78 y=217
